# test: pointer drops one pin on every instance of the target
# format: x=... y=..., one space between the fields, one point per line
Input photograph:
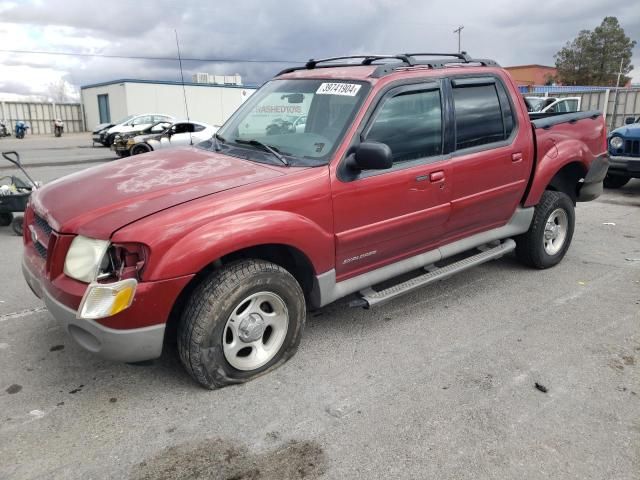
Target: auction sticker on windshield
x=348 y=89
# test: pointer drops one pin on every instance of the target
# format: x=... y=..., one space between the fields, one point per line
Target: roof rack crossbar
x=366 y=59
x=464 y=56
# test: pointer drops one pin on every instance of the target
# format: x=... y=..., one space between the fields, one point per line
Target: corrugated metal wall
x=40 y=116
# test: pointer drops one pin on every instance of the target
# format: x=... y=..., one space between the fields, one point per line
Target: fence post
x=606 y=105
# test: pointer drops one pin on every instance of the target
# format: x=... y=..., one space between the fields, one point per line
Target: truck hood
x=100 y=200
x=628 y=131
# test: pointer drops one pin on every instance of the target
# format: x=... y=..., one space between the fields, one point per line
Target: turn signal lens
x=105 y=300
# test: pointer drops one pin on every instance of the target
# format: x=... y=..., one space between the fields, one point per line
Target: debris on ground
x=541 y=387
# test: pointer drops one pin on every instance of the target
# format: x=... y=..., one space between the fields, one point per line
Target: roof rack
x=405 y=60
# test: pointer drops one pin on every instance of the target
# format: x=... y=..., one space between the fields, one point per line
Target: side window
x=410 y=124
x=183 y=127
x=147 y=119
x=480 y=118
x=198 y=128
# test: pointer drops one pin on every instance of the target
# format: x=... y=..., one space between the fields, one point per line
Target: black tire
x=5 y=219
x=141 y=148
x=204 y=320
x=530 y=247
x=109 y=139
x=615 y=181
x=16 y=226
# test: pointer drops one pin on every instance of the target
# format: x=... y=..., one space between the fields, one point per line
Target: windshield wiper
x=264 y=146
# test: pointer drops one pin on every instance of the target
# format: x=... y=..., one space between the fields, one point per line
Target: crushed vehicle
x=410 y=168
x=99 y=132
x=161 y=136
x=624 y=152
x=136 y=123
x=123 y=142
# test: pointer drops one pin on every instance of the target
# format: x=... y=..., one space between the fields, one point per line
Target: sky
x=513 y=32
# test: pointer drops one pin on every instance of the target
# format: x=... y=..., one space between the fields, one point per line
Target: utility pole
x=615 y=99
x=459 y=32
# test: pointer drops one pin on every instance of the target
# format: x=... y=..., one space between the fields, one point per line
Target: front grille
x=43 y=225
x=632 y=148
x=41 y=250
x=43 y=233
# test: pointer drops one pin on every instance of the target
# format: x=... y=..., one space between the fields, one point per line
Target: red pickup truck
x=412 y=165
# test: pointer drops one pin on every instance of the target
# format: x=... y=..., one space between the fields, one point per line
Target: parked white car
x=180 y=134
x=553 y=104
x=135 y=124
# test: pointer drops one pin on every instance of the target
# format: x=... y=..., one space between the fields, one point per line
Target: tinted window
x=198 y=128
x=411 y=124
x=479 y=117
x=507 y=112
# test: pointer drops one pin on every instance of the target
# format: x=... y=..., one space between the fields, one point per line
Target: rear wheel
x=240 y=322
x=615 y=181
x=550 y=233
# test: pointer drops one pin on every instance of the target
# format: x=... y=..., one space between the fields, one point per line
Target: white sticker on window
x=347 y=89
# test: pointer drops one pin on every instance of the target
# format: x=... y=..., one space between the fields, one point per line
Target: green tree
x=593 y=57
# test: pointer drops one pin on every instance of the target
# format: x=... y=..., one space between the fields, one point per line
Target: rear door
x=384 y=215
x=492 y=159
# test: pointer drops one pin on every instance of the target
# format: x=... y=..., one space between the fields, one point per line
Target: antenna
x=184 y=91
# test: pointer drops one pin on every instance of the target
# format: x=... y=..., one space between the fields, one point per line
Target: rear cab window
x=483 y=112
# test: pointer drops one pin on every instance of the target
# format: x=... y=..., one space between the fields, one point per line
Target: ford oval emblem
x=34 y=234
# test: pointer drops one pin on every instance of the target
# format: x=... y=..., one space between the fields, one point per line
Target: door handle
x=437 y=176
x=516 y=157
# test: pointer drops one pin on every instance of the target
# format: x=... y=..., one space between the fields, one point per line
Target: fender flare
x=201 y=247
x=558 y=156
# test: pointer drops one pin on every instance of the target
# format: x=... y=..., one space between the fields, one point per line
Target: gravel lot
x=437 y=384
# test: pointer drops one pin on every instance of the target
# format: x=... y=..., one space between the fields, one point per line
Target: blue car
x=624 y=153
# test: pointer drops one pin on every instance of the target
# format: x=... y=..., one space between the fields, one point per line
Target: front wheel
x=615 y=181
x=550 y=233
x=16 y=226
x=240 y=322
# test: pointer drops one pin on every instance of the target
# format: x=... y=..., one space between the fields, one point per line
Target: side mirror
x=629 y=121
x=372 y=156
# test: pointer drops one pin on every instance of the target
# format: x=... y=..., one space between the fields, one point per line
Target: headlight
x=84 y=257
x=616 y=142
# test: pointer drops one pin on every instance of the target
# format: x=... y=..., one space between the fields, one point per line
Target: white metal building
x=111 y=101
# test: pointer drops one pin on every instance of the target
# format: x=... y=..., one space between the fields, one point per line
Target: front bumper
x=123 y=345
x=117 y=147
x=629 y=166
x=592 y=185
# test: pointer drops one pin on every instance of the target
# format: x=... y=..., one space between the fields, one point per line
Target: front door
x=384 y=215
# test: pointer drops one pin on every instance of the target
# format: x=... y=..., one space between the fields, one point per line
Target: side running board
x=371 y=298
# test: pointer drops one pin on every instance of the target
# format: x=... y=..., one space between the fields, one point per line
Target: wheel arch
x=564 y=179
x=292 y=259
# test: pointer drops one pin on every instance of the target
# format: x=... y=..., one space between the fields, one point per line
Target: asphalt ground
x=436 y=384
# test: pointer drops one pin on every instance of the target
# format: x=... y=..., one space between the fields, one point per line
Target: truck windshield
x=303 y=120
